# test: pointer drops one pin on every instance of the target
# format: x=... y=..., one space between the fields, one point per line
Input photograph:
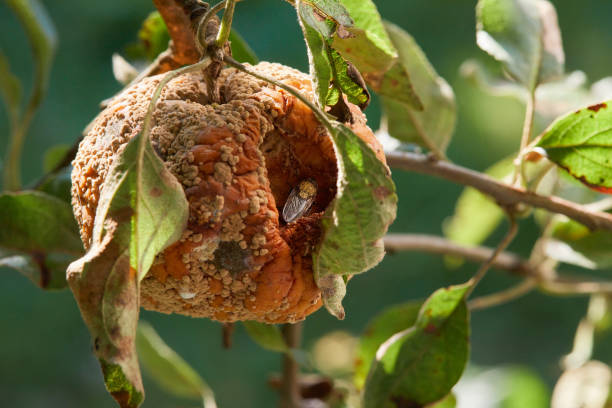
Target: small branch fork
x=536 y=275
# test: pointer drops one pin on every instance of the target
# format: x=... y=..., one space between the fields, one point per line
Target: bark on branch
x=504 y=194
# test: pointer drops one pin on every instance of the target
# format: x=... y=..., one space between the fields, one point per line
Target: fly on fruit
x=300 y=199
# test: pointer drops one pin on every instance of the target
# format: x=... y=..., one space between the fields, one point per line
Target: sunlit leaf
x=477 y=215
x=421 y=364
x=142 y=209
x=447 y=402
x=241 y=51
x=268 y=336
x=356 y=220
x=153 y=35
x=524 y=36
x=368 y=47
x=390 y=321
x=320 y=66
x=330 y=72
x=581 y=143
x=433 y=127
x=168 y=369
x=332 y=9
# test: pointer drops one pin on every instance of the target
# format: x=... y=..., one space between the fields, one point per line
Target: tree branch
x=438 y=245
x=548 y=283
x=290 y=397
x=504 y=194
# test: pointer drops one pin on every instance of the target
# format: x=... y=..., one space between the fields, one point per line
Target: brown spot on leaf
x=155 y=192
x=597 y=107
x=431 y=329
x=381 y=192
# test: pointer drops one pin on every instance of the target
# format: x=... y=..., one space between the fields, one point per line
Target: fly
x=300 y=199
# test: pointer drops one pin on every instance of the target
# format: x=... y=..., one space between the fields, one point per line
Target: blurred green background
x=45 y=356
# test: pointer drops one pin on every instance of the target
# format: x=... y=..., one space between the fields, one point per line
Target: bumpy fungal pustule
x=238 y=161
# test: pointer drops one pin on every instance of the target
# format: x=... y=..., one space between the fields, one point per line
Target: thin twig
x=503 y=244
x=498 y=298
x=503 y=194
x=290 y=398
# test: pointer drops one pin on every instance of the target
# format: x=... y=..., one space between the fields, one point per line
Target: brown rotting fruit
x=238 y=161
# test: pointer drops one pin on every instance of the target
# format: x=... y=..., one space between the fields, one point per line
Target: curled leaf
x=356 y=220
x=368 y=47
x=142 y=209
x=524 y=36
x=432 y=127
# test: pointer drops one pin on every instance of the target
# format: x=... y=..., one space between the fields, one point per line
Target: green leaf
x=392 y=320
x=447 y=402
x=348 y=80
x=58 y=185
x=34 y=222
x=43 y=40
x=10 y=90
x=524 y=36
x=320 y=66
x=433 y=127
x=47 y=271
x=368 y=47
x=332 y=9
x=153 y=35
x=420 y=365
x=268 y=336
x=142 y=209
x=168 y=369
x=241 y=51
x=581 y=143
x=477 y=215
x=331 y=73
x=524 y=389
x=356 y=220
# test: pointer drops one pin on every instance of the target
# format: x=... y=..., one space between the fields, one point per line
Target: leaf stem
x=504 y=296
x=518 y=177
x=291 y=398
x=484 y=268
x=504 y=194
x=226 y=23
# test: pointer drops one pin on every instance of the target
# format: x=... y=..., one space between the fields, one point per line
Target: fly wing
x=295 y=206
